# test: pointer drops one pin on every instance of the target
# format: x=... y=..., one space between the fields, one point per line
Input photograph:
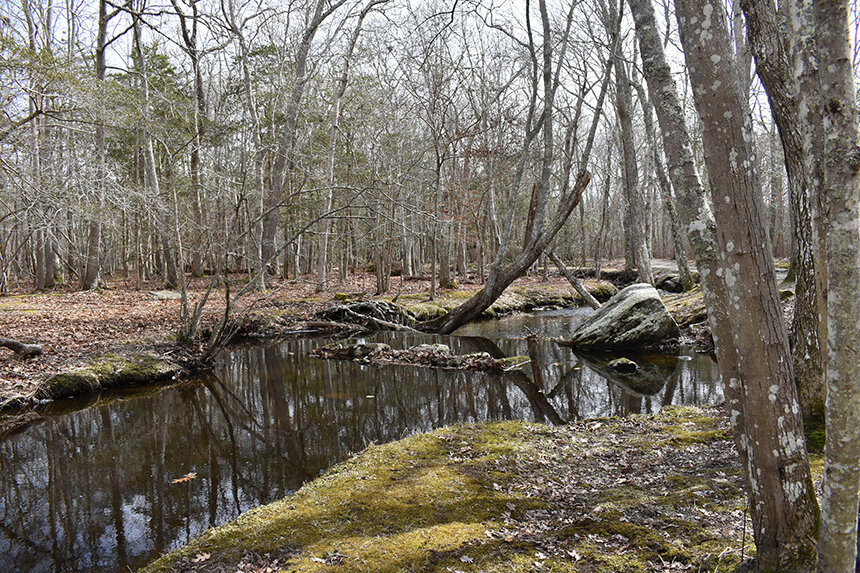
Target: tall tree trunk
x=285 y=159
x=90 y=278
x=635 y=246
x=322 y=256
x=684 y=274
x=782 y=502
x=189 y=37
x=150 y=173
x=257 y=209
x=737 y=276
x=775 y=64
x=837 y=548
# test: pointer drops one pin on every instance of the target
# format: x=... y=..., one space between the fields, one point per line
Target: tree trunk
x=756 y=359
x=635 y=246
x=285 y=159
x=775 y=66
x=322 y=256
x=837 y=547
x=574 y=282
x=189 y=36
x=21 y=348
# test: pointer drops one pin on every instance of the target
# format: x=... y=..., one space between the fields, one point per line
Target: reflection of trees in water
x=92 y=489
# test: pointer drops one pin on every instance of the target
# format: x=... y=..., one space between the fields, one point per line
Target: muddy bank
x=647 y=493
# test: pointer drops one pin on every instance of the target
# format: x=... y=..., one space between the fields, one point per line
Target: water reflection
x=112 y=486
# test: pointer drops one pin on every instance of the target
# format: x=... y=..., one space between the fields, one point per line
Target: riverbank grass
x=637 y=494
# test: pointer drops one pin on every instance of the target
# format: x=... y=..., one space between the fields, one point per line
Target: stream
x=108 y=483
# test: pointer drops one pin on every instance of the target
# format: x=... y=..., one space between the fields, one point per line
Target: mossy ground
x=639 y=494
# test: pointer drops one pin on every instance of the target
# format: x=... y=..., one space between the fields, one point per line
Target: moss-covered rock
x=105 y=371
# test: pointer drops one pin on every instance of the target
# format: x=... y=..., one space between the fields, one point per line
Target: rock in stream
x=634 y=317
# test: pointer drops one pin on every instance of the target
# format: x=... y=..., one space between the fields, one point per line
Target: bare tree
x=840 y=197
x=777 y=56
x=285 y=158
x=322 y=257
x=91 y=275
x=539 y=231
x=734 y=258
x=636 y=245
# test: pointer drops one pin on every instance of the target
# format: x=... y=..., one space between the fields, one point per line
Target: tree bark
x=775 y=64
x=782 y=502
x=837 y=547
x=20 y=347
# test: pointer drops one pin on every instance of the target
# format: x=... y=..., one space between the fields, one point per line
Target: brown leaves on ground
x=613 y=493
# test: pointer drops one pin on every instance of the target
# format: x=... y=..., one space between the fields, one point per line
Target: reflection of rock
x=624 y=365
x=633 y=317
x=648 y=378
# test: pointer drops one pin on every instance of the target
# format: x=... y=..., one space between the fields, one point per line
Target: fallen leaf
x=201 y=557
x=187 y=477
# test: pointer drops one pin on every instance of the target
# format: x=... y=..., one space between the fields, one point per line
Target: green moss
x=348 y=296
x=105 y=371
x=438 y=502
x=687 y=308
x=389 y=509
x=601 y=290
x=814 y=426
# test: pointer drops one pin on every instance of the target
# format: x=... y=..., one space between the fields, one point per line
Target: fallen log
x=21 y=348
x=574 y=282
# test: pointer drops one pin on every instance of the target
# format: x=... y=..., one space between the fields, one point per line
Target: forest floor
x=73 y=326
x=660 y=493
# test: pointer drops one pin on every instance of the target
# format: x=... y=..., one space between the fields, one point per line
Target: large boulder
x=634 y=317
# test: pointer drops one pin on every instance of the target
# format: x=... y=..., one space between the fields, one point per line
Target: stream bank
x=647 y=493
x=112 y=364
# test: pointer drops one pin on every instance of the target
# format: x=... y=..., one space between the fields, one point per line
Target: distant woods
x=150 y=140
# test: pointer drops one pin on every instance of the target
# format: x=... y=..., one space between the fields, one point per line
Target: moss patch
x=598 y=495
x=687 y=308
x=405 y=504
x=105 y=371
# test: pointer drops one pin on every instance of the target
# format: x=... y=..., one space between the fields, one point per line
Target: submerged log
x=425 y=355
x=21 y=348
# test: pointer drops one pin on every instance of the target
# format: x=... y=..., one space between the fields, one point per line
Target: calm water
x=90 y=487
